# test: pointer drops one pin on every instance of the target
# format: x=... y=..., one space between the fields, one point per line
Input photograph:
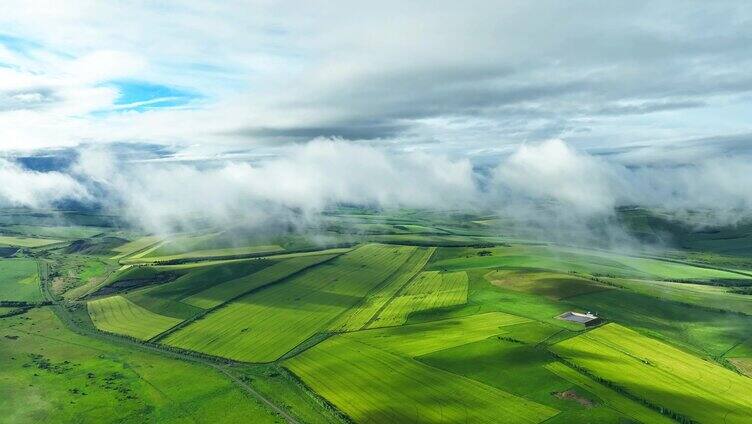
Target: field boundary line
x=206 y=312
x=385 y=283
x=396 y=294
x=287 y=355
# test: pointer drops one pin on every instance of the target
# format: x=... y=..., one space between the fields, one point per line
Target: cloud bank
x=298 y=185
x=549 y=184
x=20 y=187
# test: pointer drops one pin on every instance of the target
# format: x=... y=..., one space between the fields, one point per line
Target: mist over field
x=548 y=185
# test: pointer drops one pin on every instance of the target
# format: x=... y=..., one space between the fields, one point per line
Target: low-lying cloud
x=302 y=183
x=550 y=184
x=20 y=187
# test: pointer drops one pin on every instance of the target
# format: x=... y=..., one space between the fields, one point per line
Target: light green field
x=167 y=298
x=359 y=317
x=429 y=290
x=264 y=325
x=52 y=375
x=661 y=374
x=19 y=280
x=420 y=339
x=221 y=293
x=613 y=399
x=706 y=331
x=26 y=241
x=117 y=314
x=517 y=362
x=554 y=285
x=371 y=385
x=135 y=246
x=715 y=297
x=211 y=253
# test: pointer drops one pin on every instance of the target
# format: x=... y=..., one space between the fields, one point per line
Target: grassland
x=375 y=386
x=26 y=241
x=660 y=374
x=118 y=315
x=50 y=374
x=19 y=280
x=362 y=315
x=264 y=325
x=517 y=362
x=429 y=290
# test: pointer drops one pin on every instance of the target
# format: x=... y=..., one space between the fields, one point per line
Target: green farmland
x=374 y=386
x=118 y=315
x=403 y=317
x=263 y=326
x=661 y=374
x=428 y=290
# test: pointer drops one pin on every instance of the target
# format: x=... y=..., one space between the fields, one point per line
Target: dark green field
x=402 y=316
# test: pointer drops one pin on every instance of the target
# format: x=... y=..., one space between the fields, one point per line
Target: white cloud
x=488 y=75
x=552 y=170
x=306 y=180
x=24 y=188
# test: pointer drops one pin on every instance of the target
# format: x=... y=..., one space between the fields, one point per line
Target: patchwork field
x=361 y=316
x=118 y=315
x=277 y=270
x=661 y=375
x=264 y=325
x=19 y=280
x=709 y=332
x=454 y=320
x=372 y=385
x=429 y=290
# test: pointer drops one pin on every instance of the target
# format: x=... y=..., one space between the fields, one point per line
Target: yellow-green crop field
x=429 y=290
x=421 y=339
x=117 y=314
x=661 y=375
x=264 y=325
x=359 y=317
x=379 y=382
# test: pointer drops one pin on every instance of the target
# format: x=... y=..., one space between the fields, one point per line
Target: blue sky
x=474 y=80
